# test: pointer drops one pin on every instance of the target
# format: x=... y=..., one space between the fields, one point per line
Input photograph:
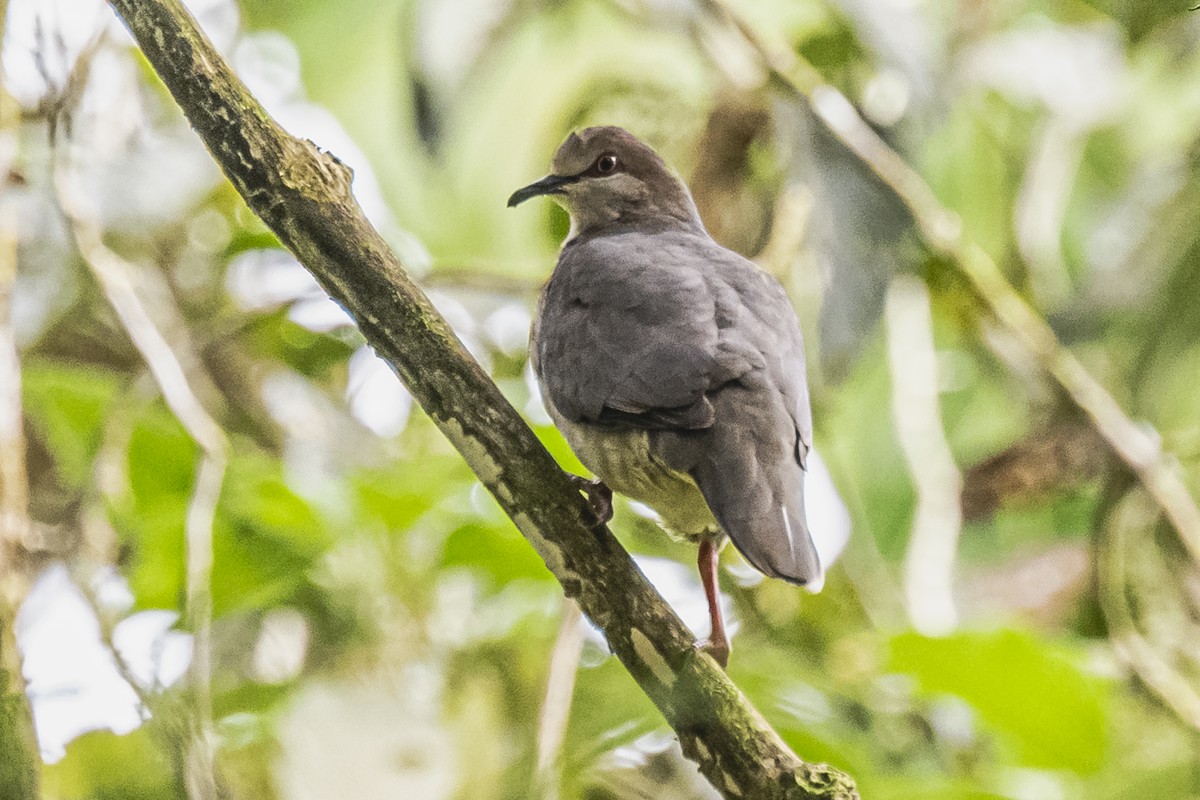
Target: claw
x=600 y=497
x=718 y=649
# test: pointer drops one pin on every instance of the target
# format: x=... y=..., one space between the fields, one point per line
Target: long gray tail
x=751 y=477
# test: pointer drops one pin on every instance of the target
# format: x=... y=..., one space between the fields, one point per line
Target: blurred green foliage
x=1062 y=134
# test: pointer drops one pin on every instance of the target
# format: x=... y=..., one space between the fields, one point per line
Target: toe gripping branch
x=600 y=497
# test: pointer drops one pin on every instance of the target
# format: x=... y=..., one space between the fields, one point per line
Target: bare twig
x=105 y=623
x=115 y=277
x=942 y=232
x=1041 y=207
x=556 y=707
x=201 y=775
x=929 y=562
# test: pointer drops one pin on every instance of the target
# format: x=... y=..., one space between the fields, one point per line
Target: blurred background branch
x=933 y=544
x=556 y=705
x=117 y=280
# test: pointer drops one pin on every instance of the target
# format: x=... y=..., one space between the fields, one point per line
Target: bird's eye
x=606 y=164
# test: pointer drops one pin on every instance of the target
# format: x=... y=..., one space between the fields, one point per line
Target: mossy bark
x=304 y=196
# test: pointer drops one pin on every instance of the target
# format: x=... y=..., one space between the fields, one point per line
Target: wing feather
x=626 y=337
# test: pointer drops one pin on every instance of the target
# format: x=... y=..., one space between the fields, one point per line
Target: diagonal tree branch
x=304 y=196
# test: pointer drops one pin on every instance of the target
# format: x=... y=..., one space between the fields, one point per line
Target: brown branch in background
x=942 y=233
x=14 y=490
x=1061 y=456
x=304 y=196
x=19 y=759
x=789 y=227
x=735 y=210
x=116 y=279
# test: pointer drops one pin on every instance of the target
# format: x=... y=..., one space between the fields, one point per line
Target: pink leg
x=718 y=643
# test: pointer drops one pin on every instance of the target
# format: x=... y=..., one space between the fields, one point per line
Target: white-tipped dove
x=674 y=367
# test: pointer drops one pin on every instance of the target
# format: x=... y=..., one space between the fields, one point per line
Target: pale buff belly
x=623 y=460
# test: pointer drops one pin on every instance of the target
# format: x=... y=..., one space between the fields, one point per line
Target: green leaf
x=161 y=462
x=607 y=711
x=1035 y=694
x=924 y=788
x=499 y=551
x=400 y=495
x=553 y=441
x=859 y=441
x=104 y=766
x=311 y=354
x=266 y=537
x=67 y=405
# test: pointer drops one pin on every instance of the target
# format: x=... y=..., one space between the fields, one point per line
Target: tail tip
x=815 y=584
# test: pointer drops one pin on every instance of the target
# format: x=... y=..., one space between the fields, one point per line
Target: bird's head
x=605 y=175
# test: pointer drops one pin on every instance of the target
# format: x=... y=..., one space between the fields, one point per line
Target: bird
x=673 y=367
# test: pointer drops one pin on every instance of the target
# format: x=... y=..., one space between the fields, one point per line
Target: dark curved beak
x=551 y=184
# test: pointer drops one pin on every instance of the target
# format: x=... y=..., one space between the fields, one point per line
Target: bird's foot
x=717 y=643
x=600 y=497
x=718 y=649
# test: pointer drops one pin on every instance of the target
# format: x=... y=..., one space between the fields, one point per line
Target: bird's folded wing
x=638 y=346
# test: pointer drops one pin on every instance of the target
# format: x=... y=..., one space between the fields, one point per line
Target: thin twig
x=1041 y=207
x=942 y=232
x=109 y=488
x=144 y=694
x=115 y=277
x=556 y=707
x=929 y=562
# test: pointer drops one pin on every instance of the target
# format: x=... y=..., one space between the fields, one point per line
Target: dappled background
x=1011 y=616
